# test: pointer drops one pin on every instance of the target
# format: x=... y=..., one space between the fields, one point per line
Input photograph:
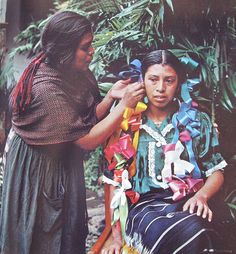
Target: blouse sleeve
x=210 y=158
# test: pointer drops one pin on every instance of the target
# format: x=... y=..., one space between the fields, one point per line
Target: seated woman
x=178 y=171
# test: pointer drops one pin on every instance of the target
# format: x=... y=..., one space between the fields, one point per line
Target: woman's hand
x=133 y=94
x=199 y=204
x=118 y=89
x=114 y=248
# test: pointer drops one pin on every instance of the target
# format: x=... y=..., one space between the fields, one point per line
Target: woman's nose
x=91 y=50
x=160 y=87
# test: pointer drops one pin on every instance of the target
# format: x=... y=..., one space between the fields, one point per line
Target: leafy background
x=125 y=30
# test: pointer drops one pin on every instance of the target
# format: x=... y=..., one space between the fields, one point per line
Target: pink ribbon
x=182 y=187
x=134 y=122
x=123 y=147
x=168 y=147
x=184 y=136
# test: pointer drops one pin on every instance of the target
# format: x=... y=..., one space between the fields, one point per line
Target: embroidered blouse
x=150 y=158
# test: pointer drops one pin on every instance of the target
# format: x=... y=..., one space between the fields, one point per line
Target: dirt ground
x=96 y=216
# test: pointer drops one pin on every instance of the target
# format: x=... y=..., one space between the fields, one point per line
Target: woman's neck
x=158 y=115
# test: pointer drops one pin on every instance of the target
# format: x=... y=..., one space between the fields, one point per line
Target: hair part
x=164 y=57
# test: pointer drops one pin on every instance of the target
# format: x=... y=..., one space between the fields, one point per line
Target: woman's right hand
x=114 y=248
x=134 y=93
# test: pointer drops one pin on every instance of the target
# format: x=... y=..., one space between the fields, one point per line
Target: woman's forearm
x=104 y=106
x=212 y=185
x=103 y=129
x=106 y=127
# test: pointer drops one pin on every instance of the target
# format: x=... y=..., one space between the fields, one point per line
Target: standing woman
x=56 y=112
x=178 y=171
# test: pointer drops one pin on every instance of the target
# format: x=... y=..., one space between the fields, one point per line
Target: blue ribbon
x=189 y=63
x=186 y=88
x=134 y=72
x=186 y=117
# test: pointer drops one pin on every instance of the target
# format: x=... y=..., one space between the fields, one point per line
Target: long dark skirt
x=43 y=201
x=157 y=225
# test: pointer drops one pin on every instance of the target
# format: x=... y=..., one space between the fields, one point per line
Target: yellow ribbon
x=128 y=113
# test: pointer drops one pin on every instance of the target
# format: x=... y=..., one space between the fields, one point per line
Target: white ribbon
x=173 y=158
x=119 y=197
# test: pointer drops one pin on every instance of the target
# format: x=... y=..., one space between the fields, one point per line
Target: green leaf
x=232 y=205
x=169 y=2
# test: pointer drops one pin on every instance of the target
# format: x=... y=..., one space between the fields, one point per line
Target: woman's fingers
x=200 y=207
x=210 y=215
x=134 y=93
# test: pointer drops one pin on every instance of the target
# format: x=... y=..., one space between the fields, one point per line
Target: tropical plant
x=124 y=30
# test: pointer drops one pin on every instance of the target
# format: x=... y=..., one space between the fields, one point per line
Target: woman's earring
x=145 y=99
x=174 y=99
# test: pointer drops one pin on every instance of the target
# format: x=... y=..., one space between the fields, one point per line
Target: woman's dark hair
x=164 y=57
x=60 y=39
x=62 y=35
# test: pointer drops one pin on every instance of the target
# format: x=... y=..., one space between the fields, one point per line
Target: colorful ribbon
x=120 y=153
x=182 y=187
x=186 y=119
x=134 y=72
x=173 y=164
x=131 y=121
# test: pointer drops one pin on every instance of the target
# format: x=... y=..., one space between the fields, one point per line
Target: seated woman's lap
x=158 y=225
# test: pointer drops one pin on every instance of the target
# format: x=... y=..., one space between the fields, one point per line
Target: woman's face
x=84 y=53
x=161 y=84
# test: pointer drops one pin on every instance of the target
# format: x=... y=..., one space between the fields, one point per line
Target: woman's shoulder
x=47 y=80
x=47 y=73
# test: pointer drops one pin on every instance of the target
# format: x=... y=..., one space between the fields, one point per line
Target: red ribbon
x=133 y=196
x=118 y=175
x=123 y=147
x=182 y=187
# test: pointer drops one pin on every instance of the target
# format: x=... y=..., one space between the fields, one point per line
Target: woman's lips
x=160 y=98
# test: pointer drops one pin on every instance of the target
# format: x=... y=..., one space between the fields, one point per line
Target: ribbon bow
x=134 y=72
x=119 y=153
x=173 y=163
x=119 y=202
x=132 y=117
x=182 y=187
x=132 y=121
x=187 y=118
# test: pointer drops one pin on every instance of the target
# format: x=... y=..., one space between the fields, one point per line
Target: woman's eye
x=170 y=81
x=153 y=80
x=85 y=48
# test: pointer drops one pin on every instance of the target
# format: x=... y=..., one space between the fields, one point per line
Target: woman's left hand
x=199 y=204
x=118 y=89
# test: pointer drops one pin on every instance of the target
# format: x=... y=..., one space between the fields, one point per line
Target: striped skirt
x=156 y=224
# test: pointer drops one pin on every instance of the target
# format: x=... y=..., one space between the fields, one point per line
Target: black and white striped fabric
x=157 y=225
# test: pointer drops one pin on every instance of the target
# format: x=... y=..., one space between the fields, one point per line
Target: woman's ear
x=178 y=91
